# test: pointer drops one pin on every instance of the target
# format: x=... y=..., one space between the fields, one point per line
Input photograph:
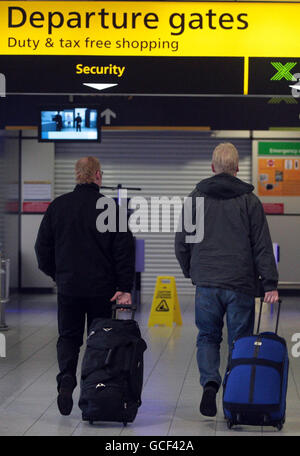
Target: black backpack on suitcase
x=112 y=371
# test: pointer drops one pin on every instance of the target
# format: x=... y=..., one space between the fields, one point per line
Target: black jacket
x=236 y=248
x=70 y=249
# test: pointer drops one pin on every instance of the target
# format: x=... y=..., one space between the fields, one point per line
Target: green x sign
x=283 y=71
x=287 y=100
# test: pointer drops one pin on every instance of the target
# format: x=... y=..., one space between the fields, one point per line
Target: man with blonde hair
x=225 y=265
x=91 y=268
x=225 y=159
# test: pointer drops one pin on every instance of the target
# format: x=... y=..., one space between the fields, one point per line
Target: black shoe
x=208 y=406
x=64 y=398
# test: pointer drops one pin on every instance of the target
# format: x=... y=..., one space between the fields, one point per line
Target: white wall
x=284 y=229
x=37 y=165
x=11 y=194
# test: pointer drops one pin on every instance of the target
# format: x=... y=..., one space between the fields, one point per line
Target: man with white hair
x=91 y=269
x=225 y=265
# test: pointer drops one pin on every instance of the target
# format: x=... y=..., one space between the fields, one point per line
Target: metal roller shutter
x=162 y=163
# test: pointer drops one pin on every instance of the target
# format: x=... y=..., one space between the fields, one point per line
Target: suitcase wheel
x=279 y=426
x=91 y=422
x=125 y=423
x=229 y=424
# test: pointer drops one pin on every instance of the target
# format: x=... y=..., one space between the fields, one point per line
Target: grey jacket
x=236 y=249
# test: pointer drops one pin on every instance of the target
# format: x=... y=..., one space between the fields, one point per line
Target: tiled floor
x=171 y=393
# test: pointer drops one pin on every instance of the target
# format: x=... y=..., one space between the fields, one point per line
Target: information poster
x=36 y=196
x=279 y=169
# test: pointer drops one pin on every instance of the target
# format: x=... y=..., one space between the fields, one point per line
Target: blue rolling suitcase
x=255 y=383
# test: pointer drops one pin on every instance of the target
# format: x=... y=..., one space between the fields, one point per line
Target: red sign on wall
x=35 y=206
x=273 y=208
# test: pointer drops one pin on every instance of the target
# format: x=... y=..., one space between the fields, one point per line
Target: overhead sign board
x=132 y=75
x=183 y=29
x=105 y=32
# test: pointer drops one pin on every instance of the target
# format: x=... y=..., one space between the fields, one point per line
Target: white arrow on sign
x=108 y=113
x=296 y=86
x=99 y=86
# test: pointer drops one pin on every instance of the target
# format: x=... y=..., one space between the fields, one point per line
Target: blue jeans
x=210 y=306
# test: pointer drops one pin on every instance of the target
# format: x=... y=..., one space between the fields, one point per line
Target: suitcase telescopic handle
x=260 y=312
x=116 y=307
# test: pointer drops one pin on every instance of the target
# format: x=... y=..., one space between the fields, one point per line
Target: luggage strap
x=251 y=408
x=256 y=362
x=126 y=358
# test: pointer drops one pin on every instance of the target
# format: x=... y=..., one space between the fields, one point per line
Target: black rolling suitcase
x=112 y=370
x=255 y=384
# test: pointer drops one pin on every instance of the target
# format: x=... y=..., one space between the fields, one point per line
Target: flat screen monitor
x=69 y=123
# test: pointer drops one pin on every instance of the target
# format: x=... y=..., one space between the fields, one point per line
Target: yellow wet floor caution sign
x=165 y=308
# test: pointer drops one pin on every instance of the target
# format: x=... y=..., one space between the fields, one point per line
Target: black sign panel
x=218 y=113
x=133 y=75
x=273 y=76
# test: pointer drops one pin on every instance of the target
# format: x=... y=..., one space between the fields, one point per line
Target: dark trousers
x=72 y=314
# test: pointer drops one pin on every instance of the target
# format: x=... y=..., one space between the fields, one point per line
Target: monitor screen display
x=74 y=123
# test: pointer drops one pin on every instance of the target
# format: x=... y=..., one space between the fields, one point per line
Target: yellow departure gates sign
x=172 y=29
